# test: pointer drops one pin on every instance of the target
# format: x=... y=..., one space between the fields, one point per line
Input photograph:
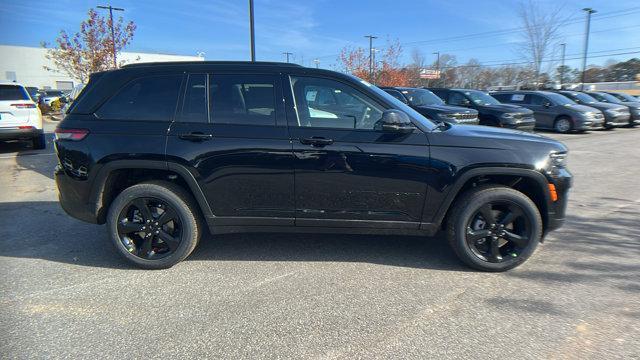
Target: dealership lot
x=65 y=292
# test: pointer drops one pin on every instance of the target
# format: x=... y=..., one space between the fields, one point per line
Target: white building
x=26 y=65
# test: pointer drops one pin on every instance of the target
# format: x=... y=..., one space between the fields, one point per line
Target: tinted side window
x=325 y=103
x=511 y=98
x=441 y=94
x=242 y=99
x=194 y=108
x=396 y=94
x=151 y=98
x=455 y=98
x=537 y=100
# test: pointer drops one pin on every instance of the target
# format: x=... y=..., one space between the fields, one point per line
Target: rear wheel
x=494 y=228
x=563 y=125
x=154 y=225
x=39 y=142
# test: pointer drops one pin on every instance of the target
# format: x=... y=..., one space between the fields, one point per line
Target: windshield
x=584 y=98
x=559 y=99
x=625 y=97
x=606 y=97
x=481 y=98
x=422 y=97
x=397 y=104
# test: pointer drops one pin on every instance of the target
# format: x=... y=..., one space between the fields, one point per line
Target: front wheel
x=563 y=125
x=154 y=225
x=494 y=228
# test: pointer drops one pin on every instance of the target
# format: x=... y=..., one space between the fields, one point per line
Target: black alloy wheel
x=498 y=232
x=149 y=228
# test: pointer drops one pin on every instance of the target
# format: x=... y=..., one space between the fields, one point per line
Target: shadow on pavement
x=25 y=159
x=41 y=230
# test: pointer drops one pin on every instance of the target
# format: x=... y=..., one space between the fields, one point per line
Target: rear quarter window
x=150 y=98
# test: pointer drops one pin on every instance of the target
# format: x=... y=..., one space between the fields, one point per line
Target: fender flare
x=462 y=179
x=99 y=182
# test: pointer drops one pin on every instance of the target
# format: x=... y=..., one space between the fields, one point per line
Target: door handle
x=316 y=141
x=195 y=136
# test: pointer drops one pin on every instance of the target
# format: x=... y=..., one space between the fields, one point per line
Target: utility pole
x=287 y=55
x=589 y=11
x=317 y=62
x=371 y=37
x=564 y=47
x=373 y=73
x=113 y=34
x=252 y=32
x=437 y=53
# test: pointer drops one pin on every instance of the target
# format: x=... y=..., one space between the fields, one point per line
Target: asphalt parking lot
x=65 y=293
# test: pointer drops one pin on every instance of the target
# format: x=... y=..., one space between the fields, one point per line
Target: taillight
x=71 y=134
x=24 y=106
x=25 y=127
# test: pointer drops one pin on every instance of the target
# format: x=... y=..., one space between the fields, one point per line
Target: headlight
x=553 y=163
x=558 y=159
x=509 y=115
x=447 y=116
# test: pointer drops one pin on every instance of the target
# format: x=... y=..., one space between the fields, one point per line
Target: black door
x=232 y=136
x=346 y=173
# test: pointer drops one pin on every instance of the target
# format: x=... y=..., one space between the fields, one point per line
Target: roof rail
x=244 y=63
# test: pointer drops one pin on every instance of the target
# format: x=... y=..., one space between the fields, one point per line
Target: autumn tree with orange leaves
x=91 y=49
x=387 y=70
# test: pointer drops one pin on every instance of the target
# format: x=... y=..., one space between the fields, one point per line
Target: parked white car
x=20 y=117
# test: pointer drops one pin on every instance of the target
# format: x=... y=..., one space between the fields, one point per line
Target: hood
x=507 y=108
x=604 y=106
x=581 y=108
x=448 y=109
x=487 y=137
x=635 y=105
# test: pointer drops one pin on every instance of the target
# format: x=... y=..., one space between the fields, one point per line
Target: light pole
x=564 y=47
x=589 y=11
x=252 y=32
x=317 y=62
x=437 y=53
x=371 y=37
x=113 y=34
x=287 y=55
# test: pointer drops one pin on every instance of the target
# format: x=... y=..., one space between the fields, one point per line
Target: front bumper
x=556 y=210
x=521 y=125
x=588 y=124
x=14 y=133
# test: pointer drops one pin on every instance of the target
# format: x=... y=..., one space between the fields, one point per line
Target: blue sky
x=320 y=28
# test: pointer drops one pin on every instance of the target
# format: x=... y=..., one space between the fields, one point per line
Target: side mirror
x=394 y=121
x=547 y=104
x=465 y=103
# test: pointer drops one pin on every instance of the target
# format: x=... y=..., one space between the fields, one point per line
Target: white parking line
x=20 y=155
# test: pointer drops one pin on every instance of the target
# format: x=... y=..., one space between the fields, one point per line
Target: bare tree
x=541 y=31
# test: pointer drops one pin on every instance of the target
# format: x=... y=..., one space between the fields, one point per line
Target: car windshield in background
x=421 y=97
x=13 y=92
x=625 y=97
x=560 y=99
x=397 y=104
x=584 y=98
x=50 y=93
x=481 y=98
x=606 y=98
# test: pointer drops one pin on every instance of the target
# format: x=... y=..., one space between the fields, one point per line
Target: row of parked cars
x=562 y=111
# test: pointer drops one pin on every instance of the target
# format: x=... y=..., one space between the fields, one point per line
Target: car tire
x=39 y=142
x=563 y=125
x=467 y=212
x=186 y=228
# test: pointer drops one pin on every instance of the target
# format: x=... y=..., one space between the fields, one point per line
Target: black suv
x=163 y=152
x=490 y=111
x=428 y=104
